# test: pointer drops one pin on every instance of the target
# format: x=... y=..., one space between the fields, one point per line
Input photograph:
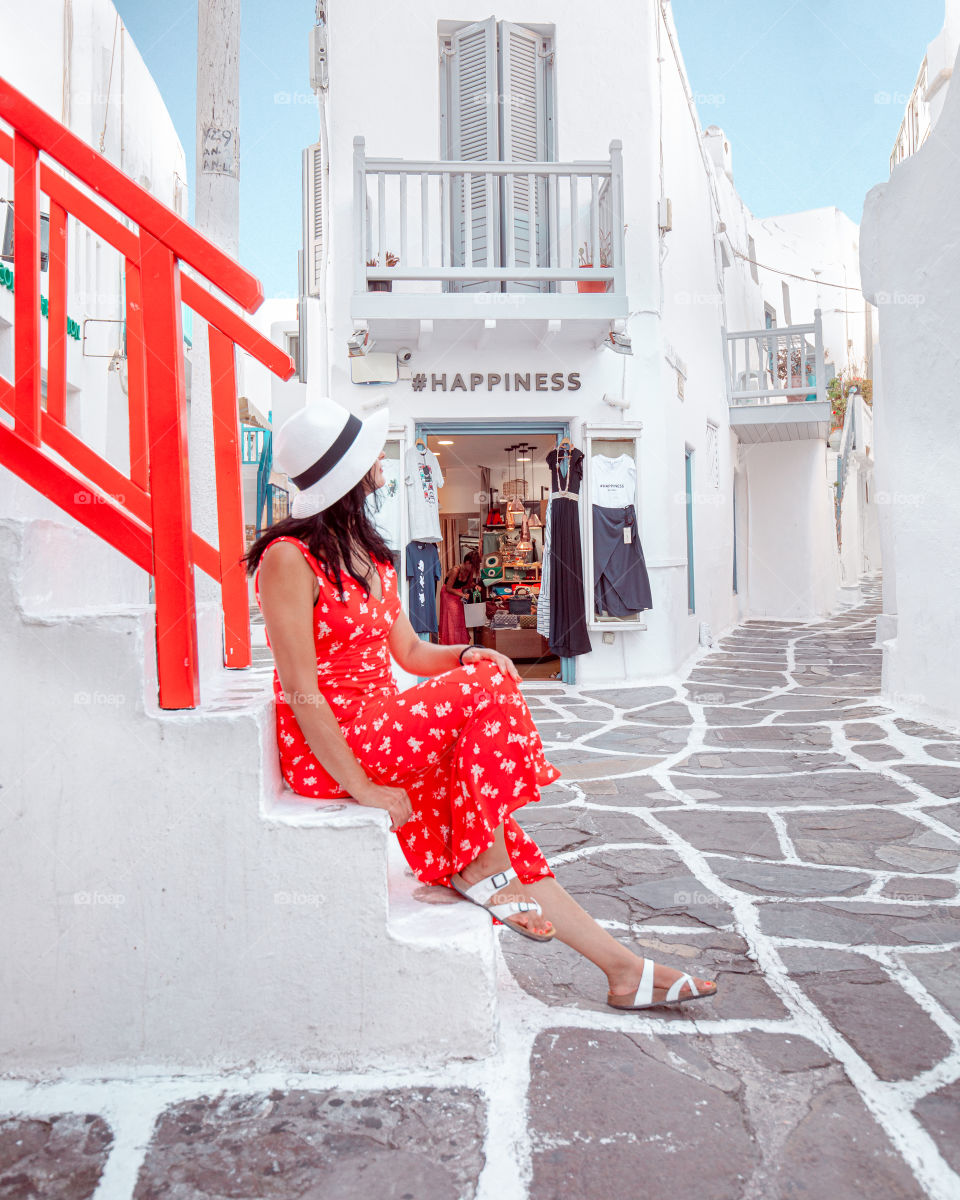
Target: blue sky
x=797 y=85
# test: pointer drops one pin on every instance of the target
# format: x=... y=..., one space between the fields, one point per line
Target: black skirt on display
x=621 y=586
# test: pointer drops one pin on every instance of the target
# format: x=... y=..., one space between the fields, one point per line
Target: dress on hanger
x=568 y=623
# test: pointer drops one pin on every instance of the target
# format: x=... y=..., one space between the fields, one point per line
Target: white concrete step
x=169 y=905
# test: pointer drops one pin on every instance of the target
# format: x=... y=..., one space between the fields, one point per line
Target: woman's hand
x=394 y=801
x=478 y=653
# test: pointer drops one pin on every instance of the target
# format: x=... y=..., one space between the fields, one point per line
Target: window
x=712 y=447
x=291 y=343
x=752 y=252
x=6 y=235
x=497 y=104
x=688 y=479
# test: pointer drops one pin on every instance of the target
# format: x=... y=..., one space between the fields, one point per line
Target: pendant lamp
x=525 y=545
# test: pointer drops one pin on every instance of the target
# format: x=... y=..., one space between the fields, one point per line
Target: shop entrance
x=492 y=504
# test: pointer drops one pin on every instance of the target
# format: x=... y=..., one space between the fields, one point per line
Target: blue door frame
x=558 y=429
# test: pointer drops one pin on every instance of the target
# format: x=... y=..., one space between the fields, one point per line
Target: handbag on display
x=521 y=601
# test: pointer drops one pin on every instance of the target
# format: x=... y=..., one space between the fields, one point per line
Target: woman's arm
x=424 y=658
x=286 y=598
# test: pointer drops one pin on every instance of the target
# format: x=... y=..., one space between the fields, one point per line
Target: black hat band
x=329 y=459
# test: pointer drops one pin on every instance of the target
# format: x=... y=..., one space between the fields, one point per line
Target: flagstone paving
x=766 y=821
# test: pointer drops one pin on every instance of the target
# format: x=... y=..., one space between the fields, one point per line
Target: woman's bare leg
x=494 y=859
x=580 y=931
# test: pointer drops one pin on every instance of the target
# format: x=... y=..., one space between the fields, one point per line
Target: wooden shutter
x=524 y=138
x=313 y=240
x=474 y=134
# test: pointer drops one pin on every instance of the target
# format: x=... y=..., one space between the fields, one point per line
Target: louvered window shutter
x=313 y=241
x=474 y=136
x=524 y=138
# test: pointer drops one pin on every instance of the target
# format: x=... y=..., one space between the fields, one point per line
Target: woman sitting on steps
x=449 y=760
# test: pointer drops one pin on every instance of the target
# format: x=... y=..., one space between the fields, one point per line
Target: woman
x=449 y=760
x=453 y=624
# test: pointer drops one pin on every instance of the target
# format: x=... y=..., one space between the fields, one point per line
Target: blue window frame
x=688 y=477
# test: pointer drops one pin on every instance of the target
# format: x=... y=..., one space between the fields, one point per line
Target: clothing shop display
x=568 y=624
x=613 y=481
x=423 y=575
x=383 y=505
x=423 y=478
x=462 y=744
x=621 y=587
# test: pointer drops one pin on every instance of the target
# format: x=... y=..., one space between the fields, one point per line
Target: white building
x=627 y=179
x=910 y=261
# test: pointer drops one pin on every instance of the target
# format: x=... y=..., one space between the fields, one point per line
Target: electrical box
x=665 y=212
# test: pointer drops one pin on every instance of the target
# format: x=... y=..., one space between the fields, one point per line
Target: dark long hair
x=333 y=536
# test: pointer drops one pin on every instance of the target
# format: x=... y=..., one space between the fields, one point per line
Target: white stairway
x=167 y=905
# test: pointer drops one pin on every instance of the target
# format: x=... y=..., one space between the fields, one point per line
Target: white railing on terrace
x=776 y=366
x=466 y=225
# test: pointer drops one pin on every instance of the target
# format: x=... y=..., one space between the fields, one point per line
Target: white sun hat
x=325 y=450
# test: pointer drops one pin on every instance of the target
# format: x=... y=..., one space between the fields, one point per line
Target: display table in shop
x=515 y=643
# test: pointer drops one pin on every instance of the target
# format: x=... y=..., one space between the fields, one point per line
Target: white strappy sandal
x=481 y=892
x=644 y=995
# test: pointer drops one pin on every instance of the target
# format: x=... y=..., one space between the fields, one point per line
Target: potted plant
x=382 y=285
x=839 y=389
x=586 y=260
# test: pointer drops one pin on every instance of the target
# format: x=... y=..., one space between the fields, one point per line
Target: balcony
x=488 y=241
x=776 y=383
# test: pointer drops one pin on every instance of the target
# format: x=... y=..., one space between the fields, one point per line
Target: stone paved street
x=767 y=821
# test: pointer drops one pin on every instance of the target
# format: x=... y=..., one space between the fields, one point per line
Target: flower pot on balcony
x=590 y=285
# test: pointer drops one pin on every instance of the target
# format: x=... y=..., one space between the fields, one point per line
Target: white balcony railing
x=776 y=366
x=462 y=226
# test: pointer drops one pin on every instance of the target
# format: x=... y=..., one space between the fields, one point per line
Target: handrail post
x=616 y=241
x=818 y=344
x=136 y=384
x=359 y=215
x=177 y=653
x=226 y=455
x=57 y=316
x=26 y=298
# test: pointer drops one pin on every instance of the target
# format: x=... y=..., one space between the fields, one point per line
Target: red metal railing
x=145 y=515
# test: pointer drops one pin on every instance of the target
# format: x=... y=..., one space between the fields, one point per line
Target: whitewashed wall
x=910 y=259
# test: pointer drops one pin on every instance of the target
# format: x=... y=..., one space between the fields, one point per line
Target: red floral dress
x=463 y=744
